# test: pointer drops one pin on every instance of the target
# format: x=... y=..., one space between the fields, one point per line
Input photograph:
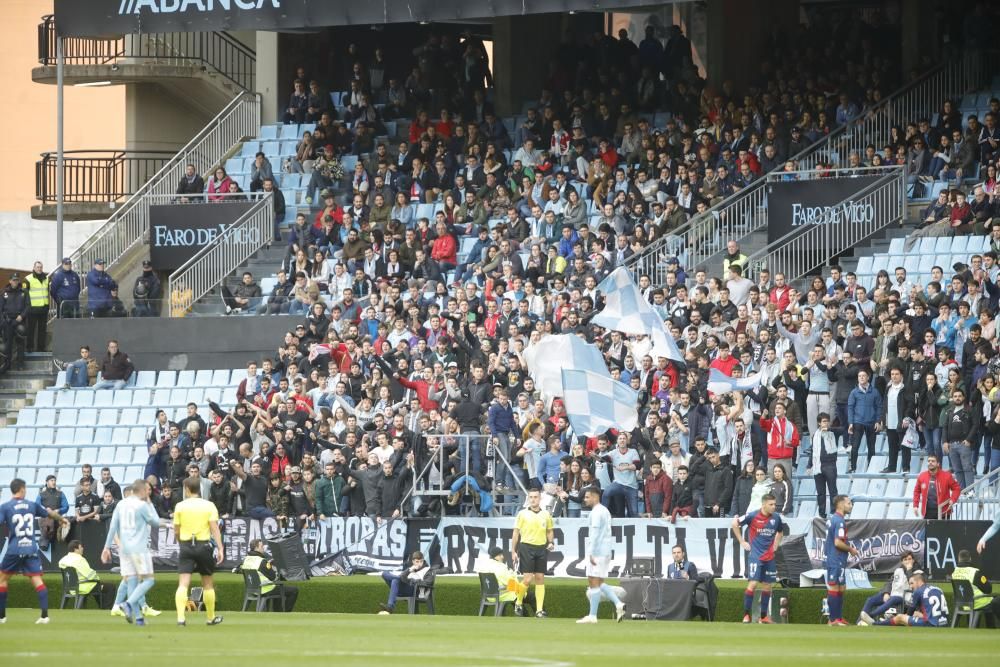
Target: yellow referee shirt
x=533 y=527
x=192 y=518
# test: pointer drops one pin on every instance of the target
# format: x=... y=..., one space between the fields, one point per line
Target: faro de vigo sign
x=849 y=212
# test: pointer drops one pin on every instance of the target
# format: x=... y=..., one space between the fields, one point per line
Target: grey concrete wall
x=155 y=119
x=176 y=344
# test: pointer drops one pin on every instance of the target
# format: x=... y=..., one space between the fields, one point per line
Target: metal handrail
x=222 y=53
x=239 y=120
x=972 y=503
x=920 y=98
x=97 y=175
x=798 y=252
x=214 y=262
x=705 y=235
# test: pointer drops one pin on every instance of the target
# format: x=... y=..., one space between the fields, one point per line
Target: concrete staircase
x=264 y=263
x=18 y=388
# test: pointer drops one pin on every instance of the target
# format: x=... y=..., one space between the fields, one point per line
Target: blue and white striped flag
x=595 y=403
x=625 y=310
x=720 y=383
x=552 y=353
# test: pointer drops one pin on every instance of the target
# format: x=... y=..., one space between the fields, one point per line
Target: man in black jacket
x=845 y=374
x=13 y=312
x=191 y=183
x=898 y=406
x=392 y=487
x=718 y=486
x=960 y=433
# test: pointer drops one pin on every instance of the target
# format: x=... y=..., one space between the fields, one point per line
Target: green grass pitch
x=94 y=637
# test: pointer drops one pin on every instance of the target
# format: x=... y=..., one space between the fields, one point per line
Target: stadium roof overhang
x=102 y=18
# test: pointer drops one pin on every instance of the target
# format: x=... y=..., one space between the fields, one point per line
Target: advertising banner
x=793 y=205
x=178 y=231
x=881 y=542
x=105 y=18
x=708 y=542
x=946 y=538
x=367 y=546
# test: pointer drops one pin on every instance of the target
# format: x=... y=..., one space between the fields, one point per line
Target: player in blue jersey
x=22 y=556
x=764 y=535
x=836 y=550
x=930 y=606
x=130 y=524
x=599 y=544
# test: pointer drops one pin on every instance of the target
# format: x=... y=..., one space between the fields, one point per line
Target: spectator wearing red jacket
x=725 y=362
x=422 y=387
x=936 y=492
x=419 y=126
x=779 y=293
x=659 y=490
x=782 y=438
x=444 y=250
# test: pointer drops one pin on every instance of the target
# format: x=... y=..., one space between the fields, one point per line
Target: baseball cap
x=146 y=264
x=452 y=364
x=98 y=261
x=67 y=260
x=295 y=469
x=15 y=276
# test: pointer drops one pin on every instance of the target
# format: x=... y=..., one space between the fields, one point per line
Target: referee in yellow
x=530 y=547
x=196 y=524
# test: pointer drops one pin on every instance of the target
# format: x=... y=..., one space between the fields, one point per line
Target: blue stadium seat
x=943 y=245
x=83 y=399
x=104 y=398
x=349 y=162
x=203 y=378
x=250 y=149
x=26 y=417
x=25 y=437
x=140 y=398
x=221 y=377
x=67 y=417
x=105 y=416
x=195 y=395
x=161 y=398
x=67 y=457
x=234 y=165
x=64 y=399
x=8 y=457
x=864 y=265
x=178 y=397
x=64 y=437
x=102 y=435
x=66 y=477
x=926 y=246
x=44 y=436
x=291 y=181
x=895 y=487
x=185 y=378
x=145 y=379
x=45 y=399
x=978 y=244
x=911 y=263
x=306 y=127
x=119 y=436
x=146 y=417
x=123 y=455
x=105 y=456
x=269 y=131
x=896 y=246
x=289 y=132
x=287 y=148
x=83 y=436
x=272 y=149
x=60 y=379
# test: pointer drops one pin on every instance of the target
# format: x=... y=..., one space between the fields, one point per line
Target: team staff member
x=196 y=524
x=86 y=575
x=258 y=560
x=533 y=538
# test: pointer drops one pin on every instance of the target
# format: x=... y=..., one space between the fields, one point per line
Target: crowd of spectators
x=405 y=350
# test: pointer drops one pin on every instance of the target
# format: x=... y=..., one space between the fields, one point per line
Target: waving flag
x=547 y=357
x=720 y=383
x=595 y=402
x=625 y=310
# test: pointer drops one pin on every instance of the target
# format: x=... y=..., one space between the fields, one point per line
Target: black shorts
x=533 y=558
x=197 y=558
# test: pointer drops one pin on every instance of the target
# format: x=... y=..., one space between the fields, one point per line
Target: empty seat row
x=83 y=399
x=42 y=437
x=66 y=477
x=70 y=456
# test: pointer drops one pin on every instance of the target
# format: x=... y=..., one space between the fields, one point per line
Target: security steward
x=37 y=283
x=984 y=601
x=86 y=576
x=13 y=312
x=196 y=525
x=258 y=560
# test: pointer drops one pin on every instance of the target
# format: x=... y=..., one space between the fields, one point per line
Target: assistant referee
x=196 y=527
x=530 y=546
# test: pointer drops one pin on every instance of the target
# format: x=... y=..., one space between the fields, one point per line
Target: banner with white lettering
x=794 y=205
x=881 y=543
x=178 y=231
x=708 y=542
x=945 y=539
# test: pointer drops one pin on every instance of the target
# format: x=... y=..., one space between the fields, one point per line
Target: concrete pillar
x=918 y=24
x=267 y=74
x=157 y=120
x=522 y=48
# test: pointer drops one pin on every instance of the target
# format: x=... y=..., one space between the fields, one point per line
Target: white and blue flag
x=625 y=310
x=720 y=383
x=595 y=402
